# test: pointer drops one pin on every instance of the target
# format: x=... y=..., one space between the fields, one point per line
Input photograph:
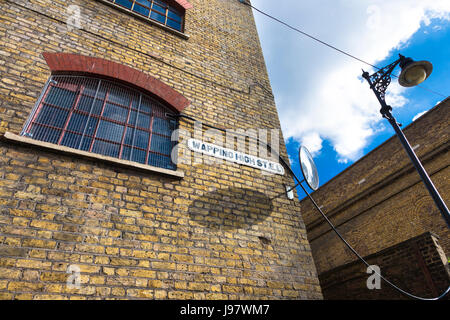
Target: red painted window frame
x=73 y=64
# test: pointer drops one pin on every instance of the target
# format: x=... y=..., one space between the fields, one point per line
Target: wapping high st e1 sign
x=235 y=156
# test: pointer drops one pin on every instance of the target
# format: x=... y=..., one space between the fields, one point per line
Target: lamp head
x=413 y=72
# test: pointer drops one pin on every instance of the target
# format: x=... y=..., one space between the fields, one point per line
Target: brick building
x=90 y=91
x=382 y=208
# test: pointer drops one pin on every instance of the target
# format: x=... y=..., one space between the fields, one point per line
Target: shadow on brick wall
x=230 y=209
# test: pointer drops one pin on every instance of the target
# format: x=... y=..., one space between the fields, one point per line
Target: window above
x=103 y=117
x=157 y=10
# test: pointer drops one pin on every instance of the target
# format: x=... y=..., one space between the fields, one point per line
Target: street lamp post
x=413 y=73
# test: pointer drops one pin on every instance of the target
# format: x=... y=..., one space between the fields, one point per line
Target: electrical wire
x=327 y=44
x=268 y=146
x=206 y=79
x=288 y=168
x=284 y=163
x=363 y=260
x=307 y=35
x=284 y=192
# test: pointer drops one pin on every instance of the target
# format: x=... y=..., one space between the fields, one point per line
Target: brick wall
x=214 y=234
x=417 y=266
x=380 y=200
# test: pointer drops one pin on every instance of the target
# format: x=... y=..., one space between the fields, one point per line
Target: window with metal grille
x=103 y=117
x=156 y=10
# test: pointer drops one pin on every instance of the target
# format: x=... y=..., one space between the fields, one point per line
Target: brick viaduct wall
x=380 y=200
x=417 y=266
x=139 y=234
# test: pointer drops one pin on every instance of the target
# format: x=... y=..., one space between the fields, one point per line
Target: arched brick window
x=97 y=114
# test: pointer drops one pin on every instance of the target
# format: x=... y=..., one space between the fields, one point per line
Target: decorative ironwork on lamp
x=413 y=73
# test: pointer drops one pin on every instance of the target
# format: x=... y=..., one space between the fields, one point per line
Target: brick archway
x=68 y=62
x=186 y=5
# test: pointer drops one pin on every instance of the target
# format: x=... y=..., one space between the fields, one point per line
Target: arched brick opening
x=68 y=62
x=186 y=5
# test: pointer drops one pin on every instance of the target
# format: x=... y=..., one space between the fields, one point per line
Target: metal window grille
x=103 y=117
x=157 y=10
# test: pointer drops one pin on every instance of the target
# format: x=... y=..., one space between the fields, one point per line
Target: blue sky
x=321 y=98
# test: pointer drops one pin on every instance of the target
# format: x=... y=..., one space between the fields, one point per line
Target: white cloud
x=417 y=116
x=291 y=160
x=312 y=141
x=320 y=93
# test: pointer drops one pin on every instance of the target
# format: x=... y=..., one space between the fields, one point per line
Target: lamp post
x=413 y=73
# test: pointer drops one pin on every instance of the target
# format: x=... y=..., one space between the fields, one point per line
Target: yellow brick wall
x=136 y=234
